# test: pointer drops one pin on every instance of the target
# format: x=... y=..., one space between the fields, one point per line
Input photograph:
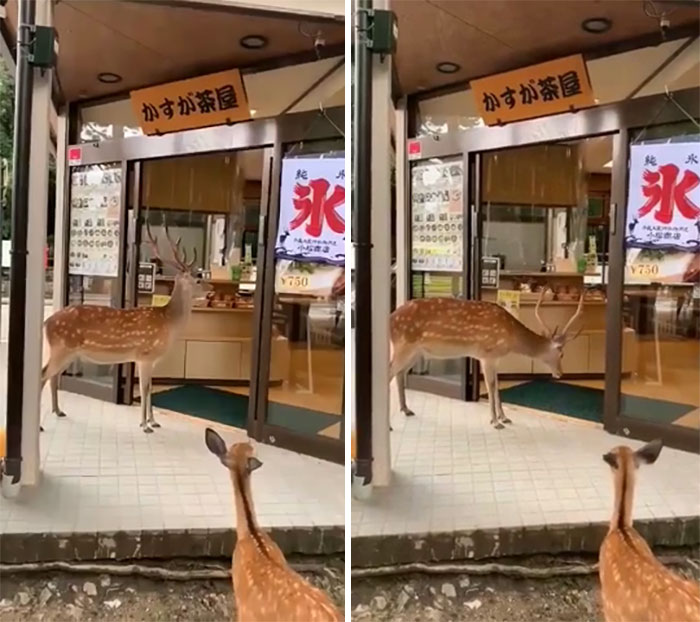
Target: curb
x=369 y=551
x=18 y=548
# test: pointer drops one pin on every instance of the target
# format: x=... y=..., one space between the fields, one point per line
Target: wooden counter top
x=223 y=309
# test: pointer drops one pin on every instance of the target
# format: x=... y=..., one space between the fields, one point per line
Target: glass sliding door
x=96 y=248
x=661 y=286
x=437 y=257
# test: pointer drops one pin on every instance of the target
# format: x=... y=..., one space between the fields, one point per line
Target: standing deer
x=265 y=587
x=446 y=328
x=142 y=335
x=635 y=585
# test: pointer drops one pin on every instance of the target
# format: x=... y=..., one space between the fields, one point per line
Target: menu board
x=490 y=272
x=95 y=208
x=147 y=277
x=437 y=219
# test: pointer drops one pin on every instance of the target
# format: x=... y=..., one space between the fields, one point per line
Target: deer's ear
x=649 y=452
x=215 y=443
x=611 y=459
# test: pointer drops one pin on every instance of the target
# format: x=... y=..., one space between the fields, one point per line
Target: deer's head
x=239 y=457
x=556 y=340
x=185 y=280
x=624 y=462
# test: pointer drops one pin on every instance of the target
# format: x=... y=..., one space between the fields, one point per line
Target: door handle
x=613 y=218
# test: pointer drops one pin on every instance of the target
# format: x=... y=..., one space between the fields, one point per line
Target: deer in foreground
x=446 y=328
x=636 y=587
x=103 y=335
x=266 y=589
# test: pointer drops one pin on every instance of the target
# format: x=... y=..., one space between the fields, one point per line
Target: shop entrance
x=263 y=350
x=546 y=209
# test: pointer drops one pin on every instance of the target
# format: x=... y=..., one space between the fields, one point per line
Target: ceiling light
x=596 y=25
x=107 y=77
x=447 y=67
x=608 y=164
x=253 y=42
x=253 y=112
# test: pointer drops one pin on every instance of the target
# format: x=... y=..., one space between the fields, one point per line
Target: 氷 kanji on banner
x=312 y=211
x=663 y=208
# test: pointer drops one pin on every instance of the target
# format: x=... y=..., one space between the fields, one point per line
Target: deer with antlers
x=635 y=585
x=141 y=335
x=265 y=587
x=446 y=328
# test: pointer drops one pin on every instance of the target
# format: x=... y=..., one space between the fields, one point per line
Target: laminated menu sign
x=490 y=272
x=147 y=275
x=663 y=206
x=95 y=220
x=312 y=211
x=436 y=217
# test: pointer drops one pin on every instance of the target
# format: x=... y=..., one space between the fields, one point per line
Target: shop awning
x=146 y=43
x=491 y=36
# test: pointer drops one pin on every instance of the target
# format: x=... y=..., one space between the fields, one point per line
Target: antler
x=574 y=317
x=179 y=261
x=547 y=331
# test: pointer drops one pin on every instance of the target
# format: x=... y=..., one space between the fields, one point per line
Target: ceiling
x=150 y=44
x=488 y=37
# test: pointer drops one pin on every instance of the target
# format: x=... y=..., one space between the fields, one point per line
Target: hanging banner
x=95 y=206
x=437 y=217
x=312 y=211
x=215 y=99
x=556 y=86
x=663 y=202
x=306 y=279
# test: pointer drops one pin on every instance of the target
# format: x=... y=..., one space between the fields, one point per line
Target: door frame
x=271 y=133
x=617 y=120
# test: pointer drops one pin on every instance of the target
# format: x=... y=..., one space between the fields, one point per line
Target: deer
x=446 y=328
x=141 y=335
x=265 y=587
x=636 y=586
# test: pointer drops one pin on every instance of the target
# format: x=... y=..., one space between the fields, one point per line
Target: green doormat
x=232 y=409
x=587 y=403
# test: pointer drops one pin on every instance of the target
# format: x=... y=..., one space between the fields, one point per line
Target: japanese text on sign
x=199 y=102
x=436 y=217
x=536 y=91
x=663 y=198
x=312 y=211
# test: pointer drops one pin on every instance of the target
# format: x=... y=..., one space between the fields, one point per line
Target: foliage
x=7 y=111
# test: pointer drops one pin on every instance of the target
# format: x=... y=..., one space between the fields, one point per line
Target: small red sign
x=75 y=155
x=414 y=148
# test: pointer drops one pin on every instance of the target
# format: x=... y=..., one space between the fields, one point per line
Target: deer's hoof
x=148 y=430
x=408 y=412
x=498 y=425
x=41 y=428
x=155 y=424
x=60 y=413
x=505 y=419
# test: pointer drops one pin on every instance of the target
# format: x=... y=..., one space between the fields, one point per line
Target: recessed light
x=608 y=164
x=253 y=112
x=596 y=25
x=447 y=67
x=253 y=42
x=108 y=77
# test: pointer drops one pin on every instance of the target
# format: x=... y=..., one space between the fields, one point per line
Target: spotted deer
x=635 y=586
x=446 y=328
x=265 y=588
x=141 y=335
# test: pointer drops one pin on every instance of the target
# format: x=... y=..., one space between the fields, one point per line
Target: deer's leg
x=57 y=363
x=492 y=387
x=145 y=370
x=497 y=397
x=151 y=419
x=401 y=359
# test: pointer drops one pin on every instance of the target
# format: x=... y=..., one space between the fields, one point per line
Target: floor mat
x=232 y=409
x=587 y=403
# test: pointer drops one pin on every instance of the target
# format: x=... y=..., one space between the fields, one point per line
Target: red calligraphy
x=662 y=189
x=314 y=206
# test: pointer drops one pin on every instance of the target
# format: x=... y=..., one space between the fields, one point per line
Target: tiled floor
x=452 y=471
x=101 y=472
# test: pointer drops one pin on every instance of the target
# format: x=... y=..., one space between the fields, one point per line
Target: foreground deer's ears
x=252 y=464
x=649 y=452
x=215 y=443
x=611 y=459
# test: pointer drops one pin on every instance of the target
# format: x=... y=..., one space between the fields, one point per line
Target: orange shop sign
x=215 y=99
x=556 y=86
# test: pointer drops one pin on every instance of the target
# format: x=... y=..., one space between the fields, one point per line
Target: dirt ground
x=456 y=598
x=66 y=596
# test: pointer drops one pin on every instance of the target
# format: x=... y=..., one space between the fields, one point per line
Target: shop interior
x=545 y=225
